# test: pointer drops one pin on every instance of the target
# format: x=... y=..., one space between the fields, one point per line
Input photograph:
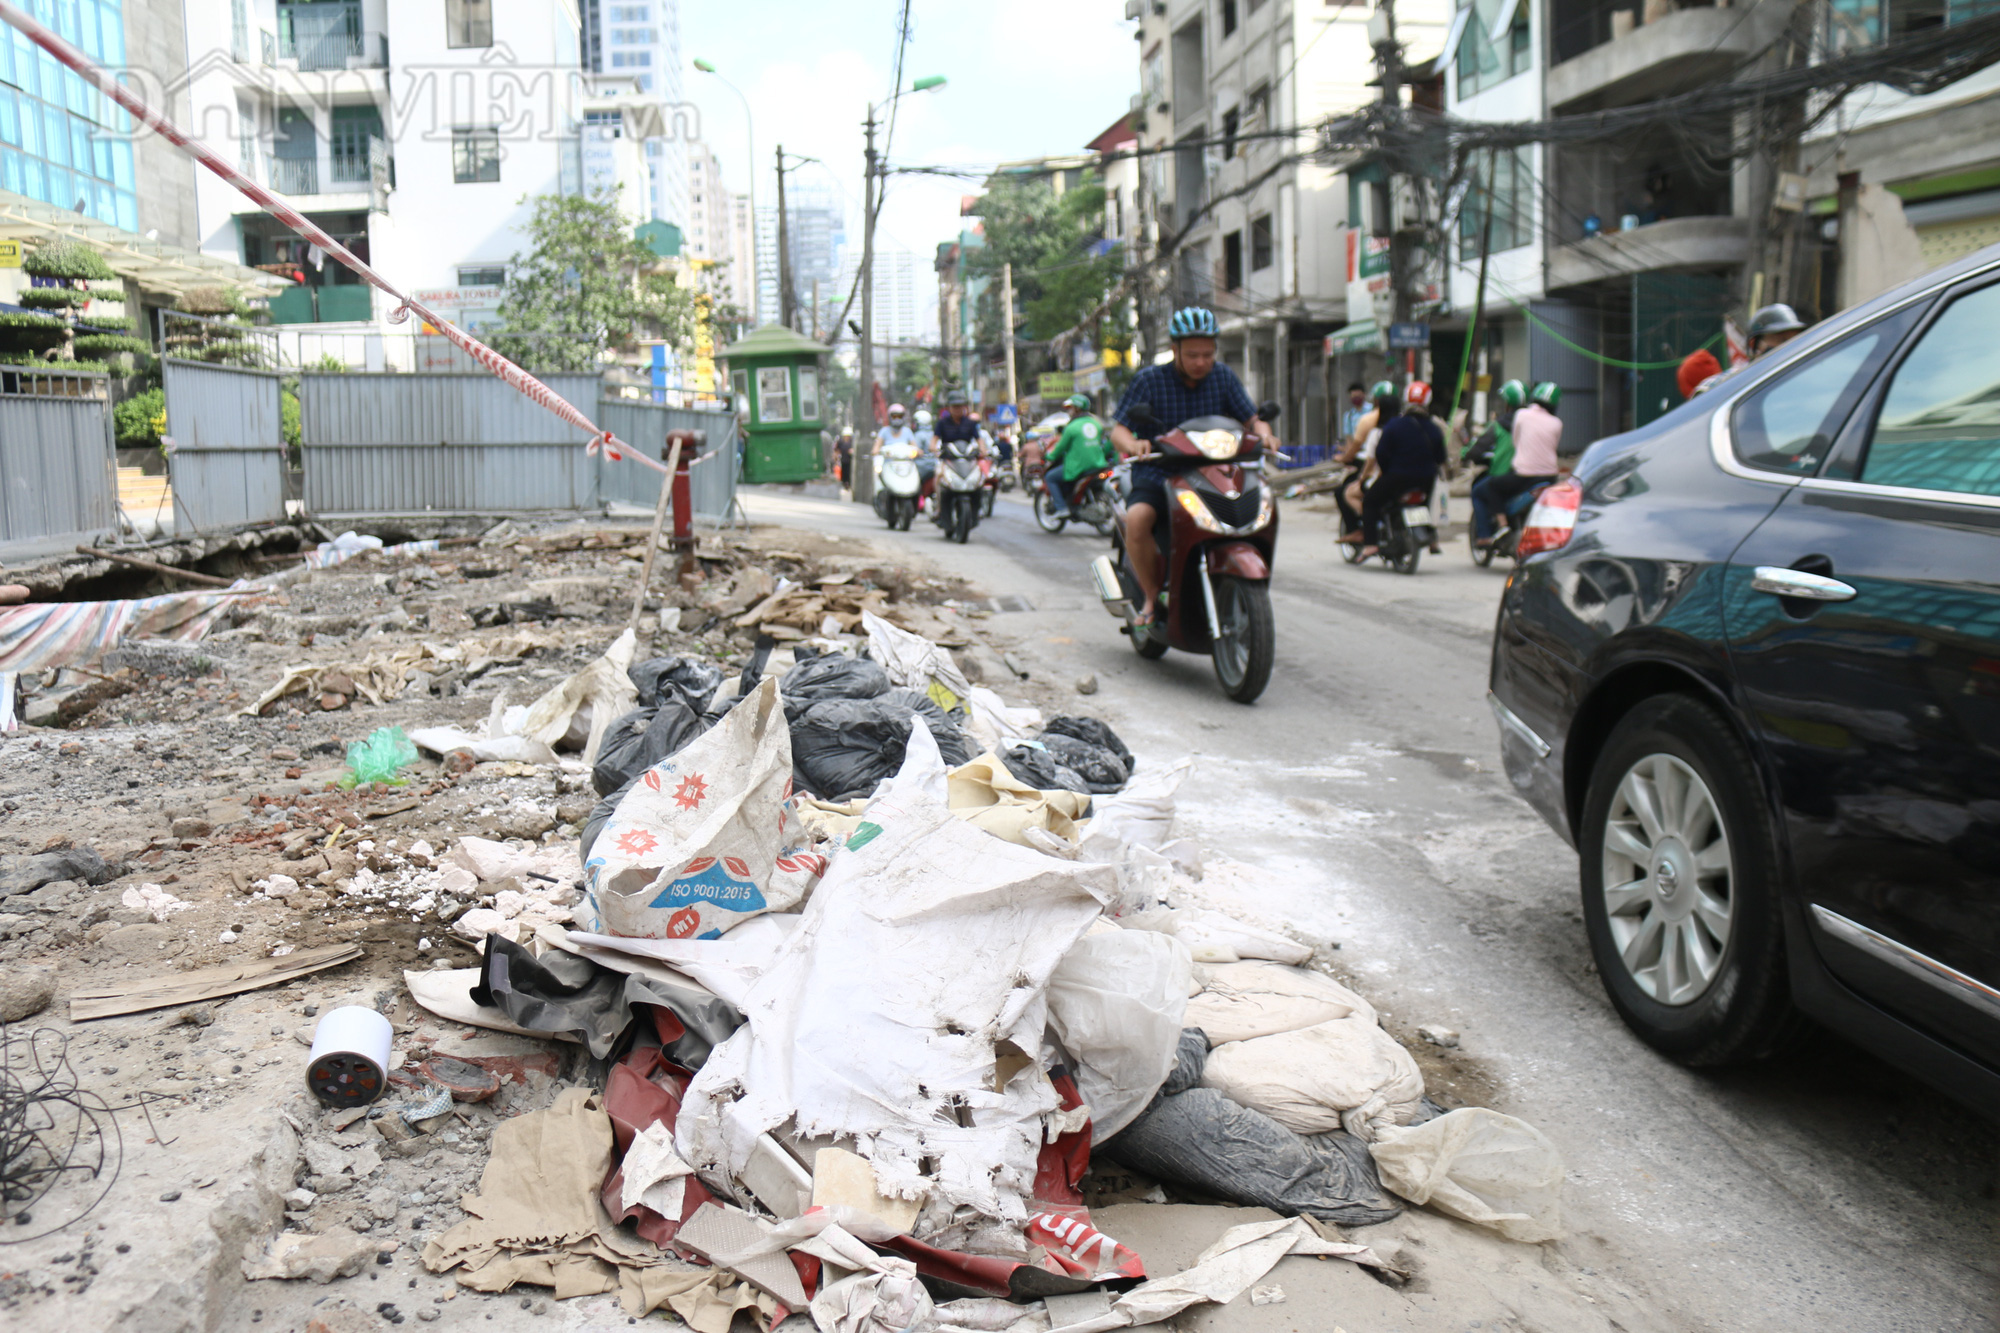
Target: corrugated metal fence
x=228 y=459
x=395 y=443
x=58 y=486
x=644 y=426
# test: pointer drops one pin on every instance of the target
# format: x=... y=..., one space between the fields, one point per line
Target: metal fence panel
x=228 y=463
x=395 y=443
x=644 y=426
x=437 y=409
x=58 y=485
x=1552 y=357
x=712 y=482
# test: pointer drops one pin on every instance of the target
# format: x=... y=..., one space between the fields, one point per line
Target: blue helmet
x=1192 y=322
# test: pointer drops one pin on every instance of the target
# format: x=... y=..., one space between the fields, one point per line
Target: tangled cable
x=52 y=1131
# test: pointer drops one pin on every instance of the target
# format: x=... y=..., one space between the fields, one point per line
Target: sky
x=1029 y=78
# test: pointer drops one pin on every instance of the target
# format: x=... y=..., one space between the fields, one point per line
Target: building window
x=468 y=23
x=1232 y=119
x=1228 y=17
x=1261 y=248
x=355 y=129
x=631 y=59
x=475 y=156
x=1156 y=75
x=774 y=395
x=1508 y=193
x=633 y=36
x=1257 y=110
x=611 y=124
x=630 y=14
x=808 y=394
x=1232 y=261
x=1485 y=63
x=486 y=275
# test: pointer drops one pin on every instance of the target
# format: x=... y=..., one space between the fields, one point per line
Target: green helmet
x=1383 y=389
x=1081 y=402
x=1546 y=395
x=1513 y=393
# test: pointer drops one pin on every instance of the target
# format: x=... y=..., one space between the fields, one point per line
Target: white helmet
x=895 y=410
x=923 y=418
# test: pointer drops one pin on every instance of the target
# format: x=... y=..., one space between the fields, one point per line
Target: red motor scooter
x=1217 y=544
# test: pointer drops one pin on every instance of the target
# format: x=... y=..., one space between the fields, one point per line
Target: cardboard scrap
x=731 y=1238
x=844 y=1179
x=382 y=676
x=208 y=983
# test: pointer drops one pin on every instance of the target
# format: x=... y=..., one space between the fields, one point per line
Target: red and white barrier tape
x=612 y=447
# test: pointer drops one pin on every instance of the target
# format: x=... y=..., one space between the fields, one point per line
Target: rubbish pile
x=878 y=965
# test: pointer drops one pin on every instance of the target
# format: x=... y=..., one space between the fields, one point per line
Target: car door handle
x=1782 y=582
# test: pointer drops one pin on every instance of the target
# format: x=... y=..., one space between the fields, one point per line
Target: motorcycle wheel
x=1244 y=654
x=1047 y=518
x=1152 y=645
x=1349 y=551
x=986 y=503
x=1405 y=560
x=1481 y=555
x=906 y=514
x=960 y=527
x=1101 y=519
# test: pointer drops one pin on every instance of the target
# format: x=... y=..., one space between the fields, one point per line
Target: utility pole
x=1389 y=60
x=815 y=318
x=1479 y=297
x=864 y=410
x=788 y=306
x=1007 y=327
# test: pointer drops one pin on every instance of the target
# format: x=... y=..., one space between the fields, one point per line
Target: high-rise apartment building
x=641 y=40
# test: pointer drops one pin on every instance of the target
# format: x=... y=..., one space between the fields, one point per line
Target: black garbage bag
x=642 y=738
x=831 y=676
x=600 y=815
x=1040 y=769
x=1102 y=771
x=1197 y=1137
x=1091 y=730
x=564 y=994
x=841 y=748
x=660 y=678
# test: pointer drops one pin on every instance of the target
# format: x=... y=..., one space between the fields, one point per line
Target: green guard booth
x=775 y=374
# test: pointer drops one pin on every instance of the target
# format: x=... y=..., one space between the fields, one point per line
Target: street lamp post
x=749 y=129
x=871 y=206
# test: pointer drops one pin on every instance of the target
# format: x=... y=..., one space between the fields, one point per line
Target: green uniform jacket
x=1081 y=448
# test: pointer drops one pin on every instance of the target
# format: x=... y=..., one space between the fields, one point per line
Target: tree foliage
x=588 y=286
x=1049 y=239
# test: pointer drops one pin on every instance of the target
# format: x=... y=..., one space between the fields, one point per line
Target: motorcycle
x=1221 y=537
x=1407 y=531
x=991 y=474
x=1093 y=500
x=1506 y=526
x=961 y=490
x=896 y=485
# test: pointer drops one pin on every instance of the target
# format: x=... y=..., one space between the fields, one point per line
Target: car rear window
x=1939 y=428
x=1789 y=424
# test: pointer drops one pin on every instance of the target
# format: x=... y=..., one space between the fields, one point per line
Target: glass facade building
x=61 y=141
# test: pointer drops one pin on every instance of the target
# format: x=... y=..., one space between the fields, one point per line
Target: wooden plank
x=209 y=983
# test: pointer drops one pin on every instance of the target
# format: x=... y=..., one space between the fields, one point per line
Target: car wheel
x=1682 y=888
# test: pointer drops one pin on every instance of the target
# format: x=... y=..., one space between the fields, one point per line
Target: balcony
x=295 y=175
x=1670 y=245
x=327 y=36
x=1618 y=61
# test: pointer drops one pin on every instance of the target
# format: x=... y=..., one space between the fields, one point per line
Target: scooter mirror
x=1268 y=410
x=1143 y=420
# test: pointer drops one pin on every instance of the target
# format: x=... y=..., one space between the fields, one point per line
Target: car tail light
x=1552 y=519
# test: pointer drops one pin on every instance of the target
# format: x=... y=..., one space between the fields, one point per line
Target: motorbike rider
x=1493 y=448
x=1772 y=327
x=1080 y=449
x=1194 y=384
x=896 y=432
x=956 y=427
x=1408 y=457
x=1536 y=439
x=843 y=458
x=1358 y=455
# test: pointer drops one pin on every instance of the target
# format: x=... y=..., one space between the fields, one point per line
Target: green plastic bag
x=379 y=758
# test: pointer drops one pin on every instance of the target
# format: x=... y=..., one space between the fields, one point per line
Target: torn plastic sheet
x=567 y=995
x=728 y=966
x=927 y=943
x=55 y=634
x=602 y=689
x=912 y=660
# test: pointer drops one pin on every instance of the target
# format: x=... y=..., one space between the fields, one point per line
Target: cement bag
x=1141 y=815
x=985 y=794
x=1115 y=1002
x=1343 y=1074
x=1244 y=1001
x=912 y=660
x=1479 y=1166
x=1216 y=937
x=578 y=711
x=695 y=845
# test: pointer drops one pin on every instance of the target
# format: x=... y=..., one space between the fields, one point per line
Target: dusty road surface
x=1823 y=1191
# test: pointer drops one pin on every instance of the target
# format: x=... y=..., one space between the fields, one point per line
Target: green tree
x=1049 y=238
x=912 y=371
x=587 y=287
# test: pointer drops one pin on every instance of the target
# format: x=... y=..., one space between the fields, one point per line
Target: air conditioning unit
x=1134 y=8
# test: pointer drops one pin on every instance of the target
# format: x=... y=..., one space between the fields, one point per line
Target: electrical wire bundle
x=53 y=1132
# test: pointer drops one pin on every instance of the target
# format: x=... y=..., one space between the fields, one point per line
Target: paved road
x=1821 y=1192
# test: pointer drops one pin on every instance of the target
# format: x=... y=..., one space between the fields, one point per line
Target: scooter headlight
x=1198 y=511
x=1217 y=444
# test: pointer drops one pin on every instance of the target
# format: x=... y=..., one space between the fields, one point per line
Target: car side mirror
x=1268 y=410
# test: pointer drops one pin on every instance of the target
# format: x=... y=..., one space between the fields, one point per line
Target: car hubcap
x=1667 y=879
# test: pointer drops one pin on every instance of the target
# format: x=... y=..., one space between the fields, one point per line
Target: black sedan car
x=1750 y=668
